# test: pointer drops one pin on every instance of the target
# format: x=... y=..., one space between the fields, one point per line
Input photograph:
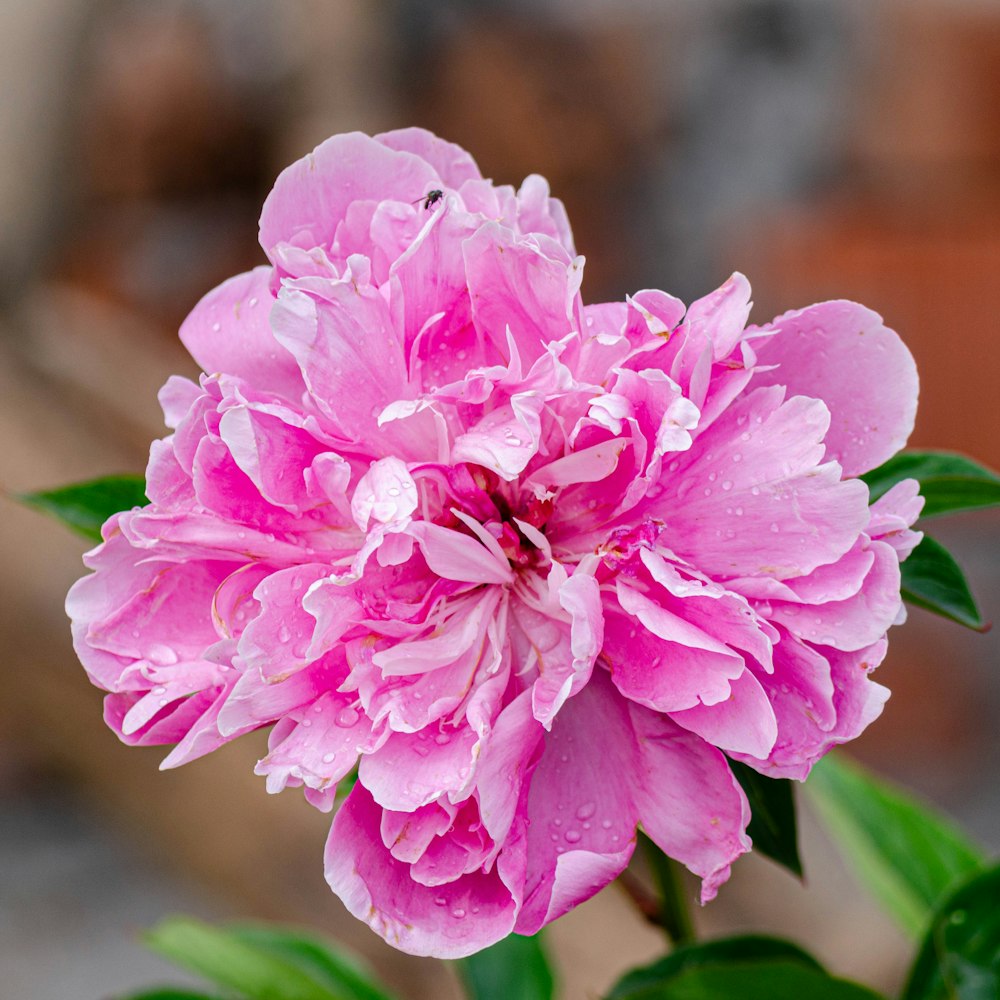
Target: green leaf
x=948 y=482
x=237 y=961
x=84 y=507
x=513 y=969
x=773 y=827
x=932 y=579
x=960 y=955
x=648 y=981
x=770 y=980
x=341 y=973
x=904 y=852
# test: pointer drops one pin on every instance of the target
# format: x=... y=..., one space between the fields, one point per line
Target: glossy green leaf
x=239 y=960
x=648 y=982
x=932 y=579
x=948 y=482
x=513 y=969
x=904 y=852
x=770 y=980
x=84 y=507
x=773 y=827
x=960 y=955
x=341 y=973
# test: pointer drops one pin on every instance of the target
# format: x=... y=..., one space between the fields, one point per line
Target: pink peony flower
x=536 y=568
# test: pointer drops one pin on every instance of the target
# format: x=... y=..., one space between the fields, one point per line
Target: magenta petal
x=743 y=723
x=456 y=556
x=452 y=163
x=663 y=661
x=582 y=830
x=229 y=331
x=520 y=285
x=312 y=196
x=722 y=315
x=350 y=355
x=867 y=378
x=446 y=921
x=278 y=641
x=435 y=764
x=317 y=743
x=688 y=801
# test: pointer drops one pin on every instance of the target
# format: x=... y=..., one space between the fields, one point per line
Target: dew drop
x=216 y=327
x=163 y=655
x=774 y=527
x=283 y=634
x=755 y=490
x=606 y=824
x=328 y=758
x=159 y=690
x=346 y=717
x=253 y=302
x=737 y=457
x=393 y=491
x=458 y=913
x=441 y=739
x=572 y=836
x=586 y=810
x=727 y=484
x=440 y=901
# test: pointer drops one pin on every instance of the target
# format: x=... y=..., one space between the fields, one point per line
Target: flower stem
x=675 y=913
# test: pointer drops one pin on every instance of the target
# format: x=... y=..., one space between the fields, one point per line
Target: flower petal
x=844 y=354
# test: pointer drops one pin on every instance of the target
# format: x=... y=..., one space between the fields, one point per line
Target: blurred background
x=825 y=148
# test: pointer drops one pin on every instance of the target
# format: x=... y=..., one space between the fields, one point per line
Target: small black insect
x=431 y=198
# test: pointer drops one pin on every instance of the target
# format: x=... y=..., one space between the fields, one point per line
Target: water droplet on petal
x=347 y=717
x=328 y=758
x=774 y=527
x=458 y=913
x=586 y=810
x=572 y=836
x=283 y=634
